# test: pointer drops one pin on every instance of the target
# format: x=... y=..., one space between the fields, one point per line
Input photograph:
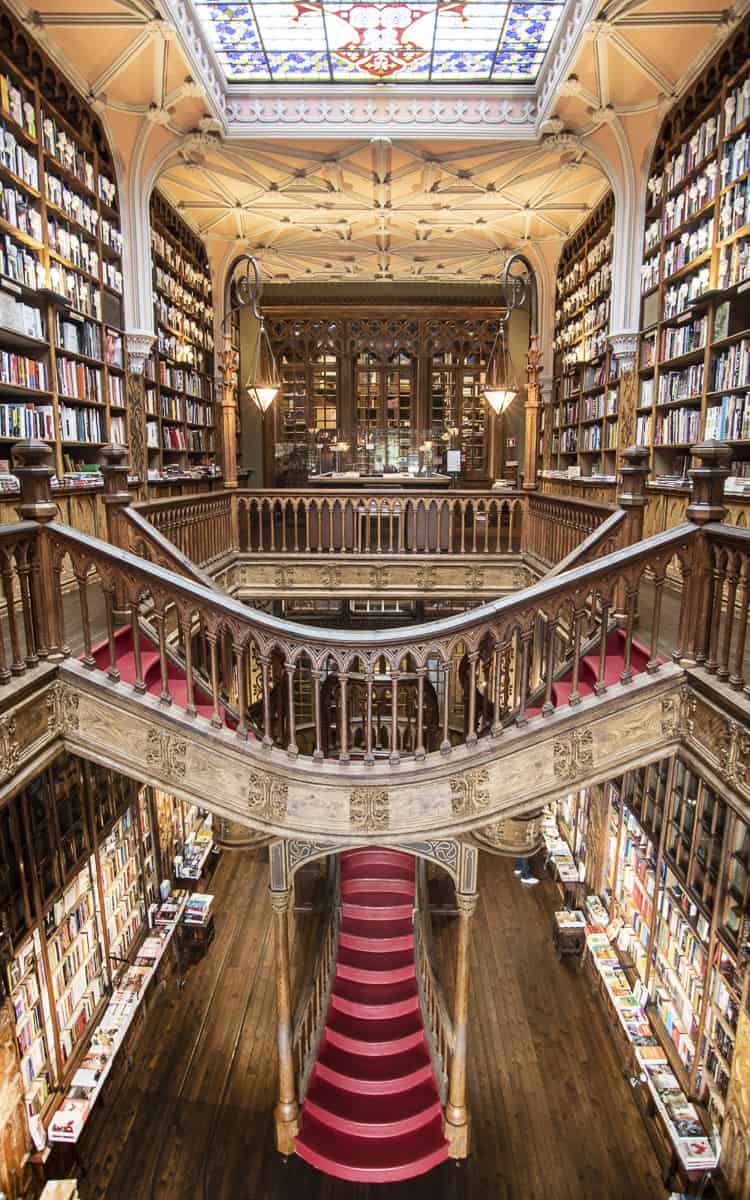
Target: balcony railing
x=372 y=696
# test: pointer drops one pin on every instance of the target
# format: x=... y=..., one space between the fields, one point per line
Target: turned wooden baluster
x=5 y=674
x=161 y=624
x=109 y=609
x=212 y=637
x=719 y=567
x=23 y=567
x=308 y=547
x=471 y=735
x=17 y=665
x=653 y=659
x=292 y=751
x=240 y=659
x=456 y=1123
x=575 y=696
x=548 y=707
x=317 y=676
x=369 y=757
x=286 y=1113
x=81 y=575
x=265 y=664
x=526 y=639
x=395 y=757
x=732 y=577
x=186 y=628
x=343 y=719
x=445 y=745
x=736 y=679
x=631 y=593
x=601 y=678
x=419 y=749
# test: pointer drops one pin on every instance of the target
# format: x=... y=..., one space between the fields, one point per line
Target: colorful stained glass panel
x=368 y=41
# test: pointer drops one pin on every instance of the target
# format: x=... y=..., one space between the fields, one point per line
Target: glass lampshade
x=499 y=398
x=263 y=396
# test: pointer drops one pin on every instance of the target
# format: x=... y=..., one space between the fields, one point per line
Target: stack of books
x=198 y=908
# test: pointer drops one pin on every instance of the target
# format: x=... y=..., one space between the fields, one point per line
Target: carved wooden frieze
x=369 y=809
x=9 y=748
x=62 y=709
x=469 y=793
x=166 y=755
x=355 y=576
x=574 y=754
x=267 y=797
x=438 y=798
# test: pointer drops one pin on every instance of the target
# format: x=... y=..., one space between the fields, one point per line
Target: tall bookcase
x=583 y=417
x=678 y=873
x=61 y=340
x=694 y=361
x=180 y=422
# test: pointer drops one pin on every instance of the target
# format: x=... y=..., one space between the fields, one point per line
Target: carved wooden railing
x=21 y=635
x=205 y=529
x=723 y=595
x=312 y=1009
x=438 y=1025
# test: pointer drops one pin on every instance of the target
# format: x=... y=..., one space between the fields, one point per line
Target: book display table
x=198 y=925
x=569 y=932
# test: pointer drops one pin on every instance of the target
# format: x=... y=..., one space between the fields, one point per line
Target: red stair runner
x=372 y=1112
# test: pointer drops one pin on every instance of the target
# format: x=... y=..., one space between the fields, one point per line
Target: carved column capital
x=466 y=903
x=139 y=344
x=281 y=902
x=624 y=346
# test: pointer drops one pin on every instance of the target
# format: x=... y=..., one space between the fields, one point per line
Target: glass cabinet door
x=735 y=895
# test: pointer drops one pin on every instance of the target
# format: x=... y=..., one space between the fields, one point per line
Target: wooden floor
x=552 y=1115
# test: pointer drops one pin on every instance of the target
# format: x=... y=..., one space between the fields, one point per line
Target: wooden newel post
x=34 y=468
x=456 y=1122
x=706 y=505
x=115 y=469
x=286 y=1113
x=631 y=493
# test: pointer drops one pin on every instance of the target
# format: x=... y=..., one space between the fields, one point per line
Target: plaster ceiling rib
x=92 y=19
x=642 y=63
x=161 y=73
x=122 y=61
x=644 y=20
x=601 y=64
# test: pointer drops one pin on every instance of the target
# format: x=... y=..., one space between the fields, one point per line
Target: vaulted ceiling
x=429 y=200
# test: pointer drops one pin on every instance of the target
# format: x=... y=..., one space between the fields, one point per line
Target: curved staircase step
x=372 y=1160
x=375 y=1001
x=371 y=935
x=374 y=906
x=371 y=1074
x=363 y=1035
x=370 y=858
x=368 y=967
x=394 y=881
x=371 y=1115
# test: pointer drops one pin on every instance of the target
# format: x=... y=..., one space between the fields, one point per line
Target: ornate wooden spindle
x=526 y=639
x=81 y=575
x=186 y=629
x=286 y=1113
x=343 y=718
x=601 y=677
x=445 y=745
x=395 y=756
x=23 y=568
x=716 y=603
x=369 y=758
x=212 y=637
x=653 y=659
x=575 y=696
x=456 y=1124
x=165 y=696
x=240 y=659
x=736 y=679
x=292 y=751
x=732 y=578
x=548 y=707
x=419 y=749
x=631 y=593
x=471 y=733
x=109 y=610
x=317 y=676
x=17 y=665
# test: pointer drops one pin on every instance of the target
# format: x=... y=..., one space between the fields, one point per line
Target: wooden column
x=139 y=343
x=531 y=413
x=228 y=415
x=286 y=1113
x=706 y=505
x=33 y=467
x=456 y=1122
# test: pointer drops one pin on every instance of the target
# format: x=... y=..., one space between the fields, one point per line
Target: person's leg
x=521 y=866
x=527 y=875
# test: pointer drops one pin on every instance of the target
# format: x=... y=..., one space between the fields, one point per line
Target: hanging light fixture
x=500 y=388
x=263 y=383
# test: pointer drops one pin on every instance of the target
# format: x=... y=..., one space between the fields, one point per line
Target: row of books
x=698 y=146
x=19 y=317
x=688 y=247
x=82 y=294
x=17 y=105
x=78 y=381
x=71 y=203
x=735 y=207
x=174 y=290
x=731 y=368
x=677 y=426
x=16 y=158
x=19 y=210
x=734 y=263
x=729 y=420
x=20 y=371
x=690 y=199
x=81 y=424
x=78 y=335
x=72 y=245
x=27 y=421
x=190 y=383
x=196 y=278
x=69 y=1120
x=64 y=149
x=683 y=339
x=679 y=385
x=20 y=264
x=172 y=315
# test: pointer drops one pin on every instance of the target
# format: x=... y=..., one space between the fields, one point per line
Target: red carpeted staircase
x=589 y=670
x=372 y=1113
x=125 y=660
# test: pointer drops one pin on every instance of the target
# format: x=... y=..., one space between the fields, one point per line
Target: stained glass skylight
x=323 y=41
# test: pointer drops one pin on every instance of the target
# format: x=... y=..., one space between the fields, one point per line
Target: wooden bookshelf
x=180 y=410
x=61 y=340
x=694 y=357
x=580 y=427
